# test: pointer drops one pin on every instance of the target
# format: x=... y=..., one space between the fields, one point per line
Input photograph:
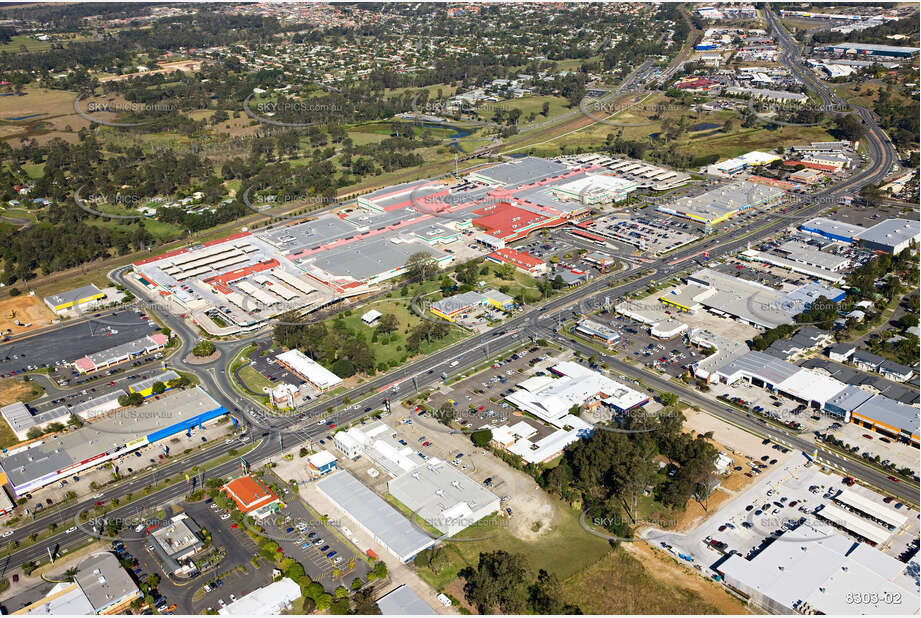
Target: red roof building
x=523 y=261
x=700 y=83
x=252 y=497
x=510 y=223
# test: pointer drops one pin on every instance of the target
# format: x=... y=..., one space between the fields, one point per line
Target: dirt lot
x=14 y=389
x=29 y=309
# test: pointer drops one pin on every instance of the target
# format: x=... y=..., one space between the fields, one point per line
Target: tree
x=481 y=438
x=668 y=399
x=387 y=323
x=544 y=596
x=203 y=348
x=545 y=108
x=158 y=388
x=496 y=583
x=421 y=266
x=75 y=421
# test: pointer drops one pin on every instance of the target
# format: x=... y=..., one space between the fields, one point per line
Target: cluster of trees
x=426 y=332
x=502 y=583
x=203 y=348
x=610 y=470
x=343 y=351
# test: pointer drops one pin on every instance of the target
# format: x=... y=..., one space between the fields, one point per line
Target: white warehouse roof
x=309 y=369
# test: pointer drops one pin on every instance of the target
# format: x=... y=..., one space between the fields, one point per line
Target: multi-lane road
x=537 y=322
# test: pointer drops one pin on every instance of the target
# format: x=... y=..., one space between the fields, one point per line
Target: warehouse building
x=373 y=515
x=592 y=189
x=53 y=457
x=526 y=170
x=21 y=419
x=308 y=370
x=443 y=496
x=100 y=586
x=870 y=49
x=74 y=299
x=891 y=236
x=821 y=572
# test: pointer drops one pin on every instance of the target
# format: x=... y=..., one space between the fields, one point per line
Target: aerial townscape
x=460 y=308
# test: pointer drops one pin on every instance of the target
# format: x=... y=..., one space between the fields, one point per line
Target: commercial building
x=526 y=170
x=764 y=94
x=73 y=299
x=41 y=462
x=321 y=463
x=452 y=307
x=572 y=429
x=403 y=601
x=269 y=600
x=807 y=254
x=819 y=571
x=550 y=399
x=443 y=496
x=121 y=353
x=891 y=236
x=373 y=515
x=721 y=203
x=252 y=497
x=597 y=330
x=308 y=370
x=524 y=262
x=888 y=417
x=176 y=542
x=101 y=586
x=869 y=49
x=594 y=189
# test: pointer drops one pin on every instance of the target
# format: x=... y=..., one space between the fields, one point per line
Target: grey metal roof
x=874 y=47
x=403 y=601
x=761 y=365
x=103 y=580
x=383 y=521
x=458 y=301
x=842 y=348
x=830 y=226
x=849 y=398
x=892 y=413
x=868 y=358
x=855 y=377
x=164 y=377
x=72 y=296
x=523 y=171
x=363 y=259
x=892 y=232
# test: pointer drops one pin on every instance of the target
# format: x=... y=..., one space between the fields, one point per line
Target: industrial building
x=373 y=515
x=378 y=442
x=21 y=419
x=321 y=463
x=308 y=370
x=733 y=166
x=41 y=462
x=100 y=586
x=721 y=203
x=819 y=572
x=443 y=496
x=869 y=49
x=252 y=497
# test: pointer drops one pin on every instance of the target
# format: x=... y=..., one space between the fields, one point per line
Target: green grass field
x=566 y=538
x=253 y=380
x=522 y=283
x=392 y=348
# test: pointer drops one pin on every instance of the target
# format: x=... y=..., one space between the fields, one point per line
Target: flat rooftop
x=526 y=170
x=892 y=232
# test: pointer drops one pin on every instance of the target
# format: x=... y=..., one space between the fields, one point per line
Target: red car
x=426 y=443
x=100 y=503
x=893 y=479
x=332 y=425
x=111 y=382
x=867 y=436
x=481 y=408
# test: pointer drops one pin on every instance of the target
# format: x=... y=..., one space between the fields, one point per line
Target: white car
x=71 y=529
x=7 y=533
x=225 y=516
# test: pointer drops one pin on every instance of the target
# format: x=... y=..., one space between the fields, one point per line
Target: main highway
x=270 y=432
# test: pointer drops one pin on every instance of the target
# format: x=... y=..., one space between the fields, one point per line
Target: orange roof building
x=252 y=497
